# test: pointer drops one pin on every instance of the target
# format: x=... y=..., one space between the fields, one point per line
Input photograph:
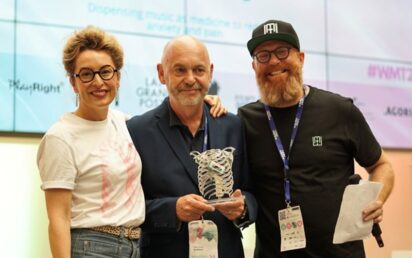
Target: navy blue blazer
x=170 y=172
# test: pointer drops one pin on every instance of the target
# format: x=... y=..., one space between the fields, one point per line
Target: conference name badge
x=292 y=231
x=203 y=239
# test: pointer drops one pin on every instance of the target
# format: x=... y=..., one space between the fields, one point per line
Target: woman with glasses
x=89 y=168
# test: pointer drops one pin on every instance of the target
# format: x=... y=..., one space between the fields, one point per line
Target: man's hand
x=216 y=110
x=191 y=207
x=232 y=210
x=373 y=211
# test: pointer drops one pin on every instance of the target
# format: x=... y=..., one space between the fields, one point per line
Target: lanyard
x=279 y=145
x=205 y=134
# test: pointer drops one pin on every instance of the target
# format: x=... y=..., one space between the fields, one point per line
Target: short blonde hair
x=91 y=38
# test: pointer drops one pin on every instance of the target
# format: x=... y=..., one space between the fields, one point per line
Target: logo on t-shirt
x=317 y=141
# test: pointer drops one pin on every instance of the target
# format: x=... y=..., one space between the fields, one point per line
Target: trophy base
x=224 y=200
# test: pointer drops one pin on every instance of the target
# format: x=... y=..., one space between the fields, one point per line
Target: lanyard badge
x=203 y=239
x=290 y=219
x=292 y=231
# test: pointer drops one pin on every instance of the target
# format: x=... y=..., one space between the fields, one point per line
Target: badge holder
x=292 y=230
x=203 y=239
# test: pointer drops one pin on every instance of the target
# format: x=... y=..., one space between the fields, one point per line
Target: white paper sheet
x=356 y=198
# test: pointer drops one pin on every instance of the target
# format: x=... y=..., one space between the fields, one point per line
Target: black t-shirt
x=331 y=134
x=192 y=143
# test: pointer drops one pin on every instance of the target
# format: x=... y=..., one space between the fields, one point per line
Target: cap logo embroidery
x=270 y=28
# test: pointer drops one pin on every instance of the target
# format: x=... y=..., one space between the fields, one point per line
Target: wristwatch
x=244 y=213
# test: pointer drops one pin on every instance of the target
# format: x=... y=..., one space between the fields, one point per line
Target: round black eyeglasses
x=264 y=56
x=87 y=75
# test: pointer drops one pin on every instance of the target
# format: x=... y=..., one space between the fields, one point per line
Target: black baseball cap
x=273 y=30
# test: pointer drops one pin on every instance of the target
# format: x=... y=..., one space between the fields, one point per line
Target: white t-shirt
x=99 y=163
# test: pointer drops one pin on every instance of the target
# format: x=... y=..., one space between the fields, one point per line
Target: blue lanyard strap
x=205 y=134
x=279 y=146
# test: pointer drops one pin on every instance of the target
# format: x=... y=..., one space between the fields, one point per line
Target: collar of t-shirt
x=192 y=143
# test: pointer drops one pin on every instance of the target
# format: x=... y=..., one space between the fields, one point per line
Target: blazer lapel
x=176 y=142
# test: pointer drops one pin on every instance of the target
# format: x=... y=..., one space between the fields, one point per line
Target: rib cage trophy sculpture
x=215 y=174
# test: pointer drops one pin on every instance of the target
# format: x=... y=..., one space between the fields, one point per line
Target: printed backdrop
x=350 y=49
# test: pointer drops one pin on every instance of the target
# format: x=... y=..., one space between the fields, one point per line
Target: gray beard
x=182 y=100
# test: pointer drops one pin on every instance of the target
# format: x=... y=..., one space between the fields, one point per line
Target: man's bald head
x=185 y=44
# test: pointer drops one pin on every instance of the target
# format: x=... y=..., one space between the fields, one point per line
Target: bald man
x=164 y=138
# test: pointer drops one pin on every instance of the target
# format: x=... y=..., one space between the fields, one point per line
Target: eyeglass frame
x=95 y=72
x=275 y=52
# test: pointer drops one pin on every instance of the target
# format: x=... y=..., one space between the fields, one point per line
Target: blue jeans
x=90 y=243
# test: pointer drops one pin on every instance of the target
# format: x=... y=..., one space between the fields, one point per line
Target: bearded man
x=301 y=143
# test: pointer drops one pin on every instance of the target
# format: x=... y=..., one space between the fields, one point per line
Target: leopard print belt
x=131 y=233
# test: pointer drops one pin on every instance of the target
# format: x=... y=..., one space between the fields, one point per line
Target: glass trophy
x=214 y=174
